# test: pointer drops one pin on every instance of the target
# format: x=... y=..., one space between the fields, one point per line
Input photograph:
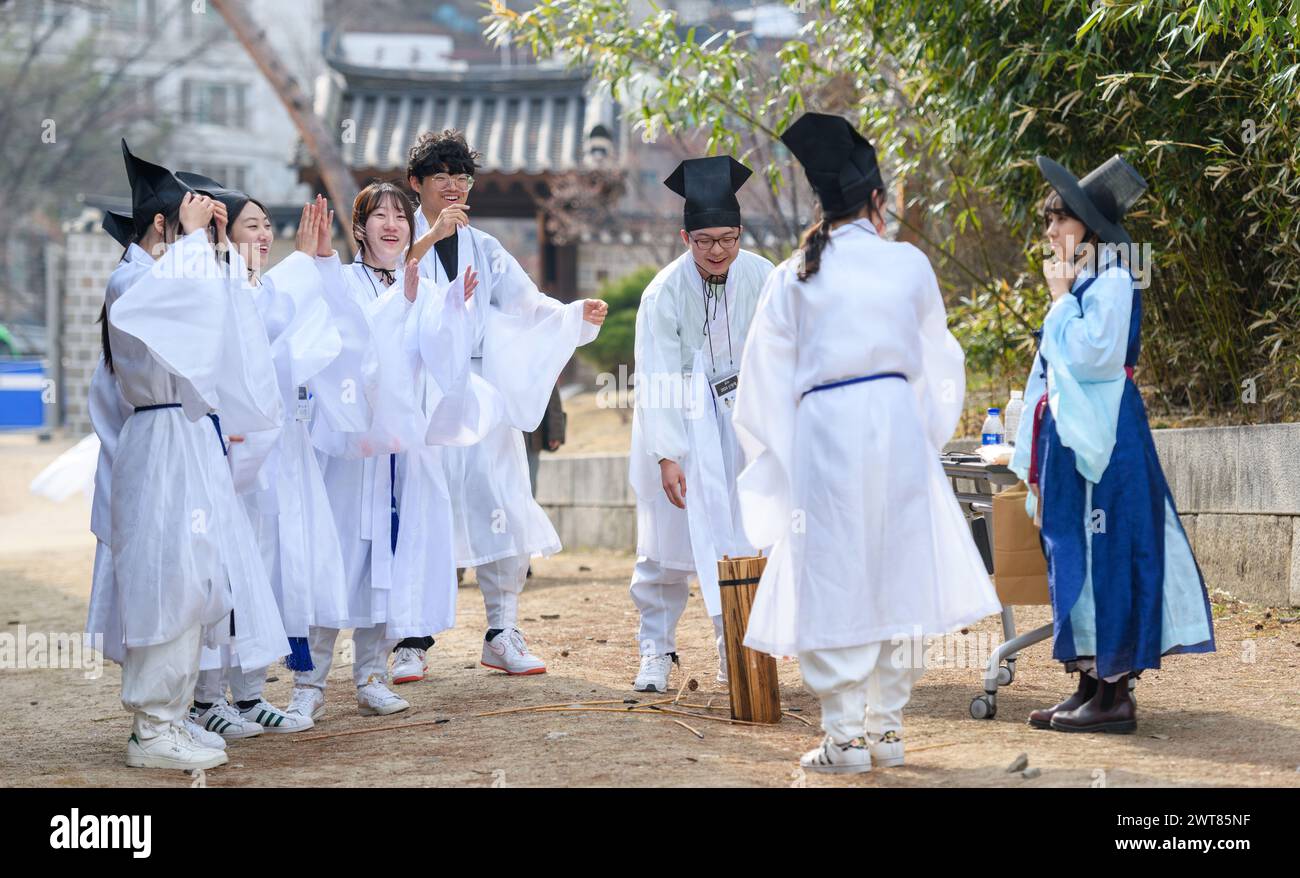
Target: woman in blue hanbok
x=1125 y=588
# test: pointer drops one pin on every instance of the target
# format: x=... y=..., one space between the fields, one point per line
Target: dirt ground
x=1230 y=718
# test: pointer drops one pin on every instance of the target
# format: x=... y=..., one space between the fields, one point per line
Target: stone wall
x=1237 y=490
x=90 y=257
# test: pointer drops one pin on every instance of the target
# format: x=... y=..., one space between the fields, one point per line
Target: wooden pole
x=322 y=145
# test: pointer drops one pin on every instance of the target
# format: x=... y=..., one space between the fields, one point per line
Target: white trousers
x=501 y=581
x=158 y=682
x=370 y=649
x=244 y=685
x=863 y=689
x=660 y=595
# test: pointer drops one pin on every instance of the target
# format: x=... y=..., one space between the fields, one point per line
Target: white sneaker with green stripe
x=273 y=719
x=222 y=718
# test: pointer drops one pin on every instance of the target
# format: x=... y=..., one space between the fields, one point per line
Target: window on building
x=230 y=176
x=128 y=16
x=214 y=103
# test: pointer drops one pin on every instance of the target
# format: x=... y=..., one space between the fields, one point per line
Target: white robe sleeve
x=660 y=385
x=201 y=325
x=462 y=407
x=941 y=387
x=344 y=389
x=1093 y=339
x=529 y=336
x=766 y=403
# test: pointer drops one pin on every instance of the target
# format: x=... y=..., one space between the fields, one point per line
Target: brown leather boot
x=1112 y=710
x=1042 y=718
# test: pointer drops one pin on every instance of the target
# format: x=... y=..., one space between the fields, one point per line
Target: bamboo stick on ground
x=690 y=729
x=431 y=722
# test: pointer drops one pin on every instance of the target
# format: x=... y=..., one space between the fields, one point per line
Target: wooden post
x=755 y=694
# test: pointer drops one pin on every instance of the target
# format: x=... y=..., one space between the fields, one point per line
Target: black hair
x=369 y=200
x=818 y=235
x=444 y=153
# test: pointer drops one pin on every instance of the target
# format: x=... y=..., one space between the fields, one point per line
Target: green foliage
x=615 y=344
x=1202 y=96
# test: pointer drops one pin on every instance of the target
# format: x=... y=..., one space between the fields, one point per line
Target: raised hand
x=450 y=219
x=220 y=219
x=308 y=232
x=594 y=311
x=471 y=281
x=196 y=212
x=411 y=280
x=325 y=232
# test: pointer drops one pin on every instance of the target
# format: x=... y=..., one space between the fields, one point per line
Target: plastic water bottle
x=1015 y=408
x=992 y=430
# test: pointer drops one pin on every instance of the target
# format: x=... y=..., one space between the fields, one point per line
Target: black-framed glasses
x=463 y=182
x=706 y=242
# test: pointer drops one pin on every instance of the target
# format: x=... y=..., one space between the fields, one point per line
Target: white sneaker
x=887 y=750
x=376 y=699
x=831 y=758
x=653 y=676
x=203 y=737
x=408 y=665
x=508 y=652
x=307 y=701
x=273 y=719
x=174 y=748
x=223 y=719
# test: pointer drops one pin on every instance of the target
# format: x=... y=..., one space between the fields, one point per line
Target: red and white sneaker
x=409 y=665
x=508 y=652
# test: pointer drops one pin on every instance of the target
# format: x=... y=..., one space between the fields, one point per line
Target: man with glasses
x=690 y=332
x=524 y=338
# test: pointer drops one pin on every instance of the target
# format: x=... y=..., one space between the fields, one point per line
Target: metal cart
x=974 y=483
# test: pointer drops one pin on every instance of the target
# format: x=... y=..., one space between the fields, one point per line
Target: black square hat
x=709 y=186
x=233 y=199
x=120 y=226
x=154 y=189
x=840 y=163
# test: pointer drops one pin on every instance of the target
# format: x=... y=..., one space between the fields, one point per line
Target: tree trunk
x=338 y=179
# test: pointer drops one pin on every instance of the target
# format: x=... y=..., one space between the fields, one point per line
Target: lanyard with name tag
x=724 y=388
x=303 y=410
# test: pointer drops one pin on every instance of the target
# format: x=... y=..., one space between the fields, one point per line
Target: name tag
x=724 y=389
x=303 y=410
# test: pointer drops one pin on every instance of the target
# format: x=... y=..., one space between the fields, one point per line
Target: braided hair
x=818 y=235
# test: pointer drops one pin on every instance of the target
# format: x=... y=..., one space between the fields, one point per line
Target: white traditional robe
x=677 y=417
x=423 y=398
x=522 y=341
x=182 y=551
x=846 y=484
x=323 y=345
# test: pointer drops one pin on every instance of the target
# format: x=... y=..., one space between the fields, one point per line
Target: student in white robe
x=386 y=487
x=690 y=331
x=523 y=339
x=277 y=472
x=852 y=385
x=183 y=555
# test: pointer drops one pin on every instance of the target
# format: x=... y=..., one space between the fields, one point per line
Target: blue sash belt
x=216 y=422
x=858 y=380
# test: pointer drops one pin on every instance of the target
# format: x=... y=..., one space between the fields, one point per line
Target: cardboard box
x=1019 y=568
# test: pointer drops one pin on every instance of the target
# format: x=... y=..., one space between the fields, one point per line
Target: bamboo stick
x=560 y=704
x=690 y=729
x=429 y=722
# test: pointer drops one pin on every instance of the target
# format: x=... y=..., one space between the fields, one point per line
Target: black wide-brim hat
x=840 y=163
x=1100 y=199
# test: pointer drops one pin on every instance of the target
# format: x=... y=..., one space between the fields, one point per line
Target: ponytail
x=813 y=242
